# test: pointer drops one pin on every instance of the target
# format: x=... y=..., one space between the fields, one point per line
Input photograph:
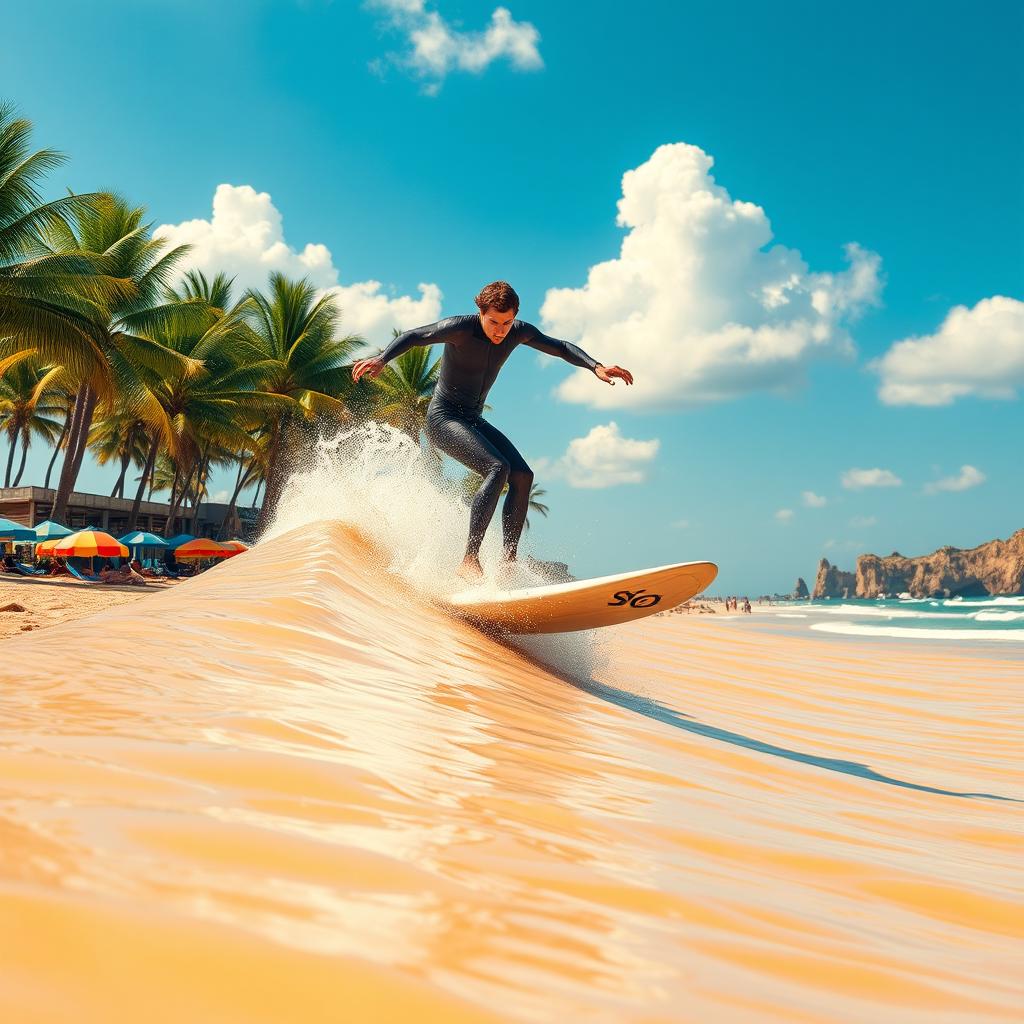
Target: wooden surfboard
x=585 y=604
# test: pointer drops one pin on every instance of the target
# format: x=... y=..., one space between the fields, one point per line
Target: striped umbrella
x=45 y=547
x=90 y=544
x=49 y=530
x=238 y=545
x=11 y=531
x=202 y=548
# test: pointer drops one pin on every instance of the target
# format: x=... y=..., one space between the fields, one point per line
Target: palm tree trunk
x=200 y=483
x=10 y=460
x=24 y=454
x=256 y=495
x=126 y=458
x=57 y=447
x=240 y=482
x=273 y=479
x=146 y=472
x=171 y=502
x=85 y=405
x=176 y=500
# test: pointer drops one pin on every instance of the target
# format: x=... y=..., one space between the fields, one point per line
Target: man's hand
x=371 y=367
x=606 y=373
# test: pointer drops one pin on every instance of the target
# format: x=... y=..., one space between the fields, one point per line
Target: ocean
x=966 y=620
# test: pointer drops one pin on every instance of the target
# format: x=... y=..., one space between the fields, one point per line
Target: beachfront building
x=32 y=505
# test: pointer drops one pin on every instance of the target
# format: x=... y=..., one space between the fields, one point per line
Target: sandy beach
x=310 y=778
x=28 y=604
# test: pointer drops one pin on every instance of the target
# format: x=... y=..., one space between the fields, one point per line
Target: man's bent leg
x=520 y=483
x=463 y=441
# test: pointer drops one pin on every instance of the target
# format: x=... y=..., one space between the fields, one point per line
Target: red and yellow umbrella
x=238 y=546
x=202 y=548
x=89 y=544
x=45 y=548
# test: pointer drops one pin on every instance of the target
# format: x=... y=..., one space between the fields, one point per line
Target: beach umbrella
x=90 y=544
x=141 y=539
x=203 y=548
x=12 y=531
x=238 y=545
x=45 y=547
x=182 y=538
x=49 y=530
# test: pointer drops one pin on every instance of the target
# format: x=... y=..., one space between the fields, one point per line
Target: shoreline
x=48 y=601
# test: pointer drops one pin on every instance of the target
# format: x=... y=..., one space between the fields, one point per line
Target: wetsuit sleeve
x=432 y=334
x=562 y=349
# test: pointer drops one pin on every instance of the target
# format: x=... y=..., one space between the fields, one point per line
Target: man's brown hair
x=499 y=295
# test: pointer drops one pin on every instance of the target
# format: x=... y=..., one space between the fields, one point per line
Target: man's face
x=497 y=323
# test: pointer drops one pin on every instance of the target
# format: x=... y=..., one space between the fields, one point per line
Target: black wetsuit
x=469 y=366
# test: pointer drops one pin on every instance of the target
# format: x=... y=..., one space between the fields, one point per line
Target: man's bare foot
x=470 y=569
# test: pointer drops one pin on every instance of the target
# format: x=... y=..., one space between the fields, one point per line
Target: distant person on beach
x=475 y=349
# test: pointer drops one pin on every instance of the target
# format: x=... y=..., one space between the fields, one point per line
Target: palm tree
x=303 y=359
x=47 y=299
x=403 y=391
x=208 y=416
x=112 y=236
x=27 y=408
x=471 y=484
x=122 y=437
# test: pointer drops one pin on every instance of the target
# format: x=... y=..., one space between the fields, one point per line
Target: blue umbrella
x=49 y=530
x=10 y=530
x=176 y=542
x=141 y=539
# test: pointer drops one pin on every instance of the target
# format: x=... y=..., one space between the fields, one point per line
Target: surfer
x=475 y=349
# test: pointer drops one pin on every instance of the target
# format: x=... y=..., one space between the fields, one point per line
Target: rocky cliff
x=993 y=568
x=833 y=582
x=800 y=589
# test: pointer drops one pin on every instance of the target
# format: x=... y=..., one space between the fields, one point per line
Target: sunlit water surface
x=296 y=789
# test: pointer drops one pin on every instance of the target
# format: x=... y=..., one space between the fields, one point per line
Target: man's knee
x=499 y=472
x=521 y=478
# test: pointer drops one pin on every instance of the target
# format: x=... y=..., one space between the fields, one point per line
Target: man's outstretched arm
x=576 y=356
x=374 y=366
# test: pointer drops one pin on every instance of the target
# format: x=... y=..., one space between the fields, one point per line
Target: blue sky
x=502 y=155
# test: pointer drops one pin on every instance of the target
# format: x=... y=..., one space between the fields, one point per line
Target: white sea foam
x=998 y=616
x=884 y=613
x=861 y=629
x=378 y=479
x=956 y=602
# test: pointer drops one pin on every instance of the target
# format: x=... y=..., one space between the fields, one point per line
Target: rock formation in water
x=833 y=582
x=800 y=589
x=993 y=568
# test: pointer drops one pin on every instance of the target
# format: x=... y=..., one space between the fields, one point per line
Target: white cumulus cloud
x=603 y=458
x=436 y=48
x=812 y=500
x=977 y=351
x=858 y=479
x=784 y=515
x=698 y=304
x=967 y=478
x=244 y=238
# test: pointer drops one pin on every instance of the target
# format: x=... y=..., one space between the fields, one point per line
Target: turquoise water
x=988 y=619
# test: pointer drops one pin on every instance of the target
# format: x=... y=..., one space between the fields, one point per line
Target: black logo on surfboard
x=634 y=598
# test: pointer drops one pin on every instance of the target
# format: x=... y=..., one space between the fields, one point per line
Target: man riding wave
x=475 y=349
